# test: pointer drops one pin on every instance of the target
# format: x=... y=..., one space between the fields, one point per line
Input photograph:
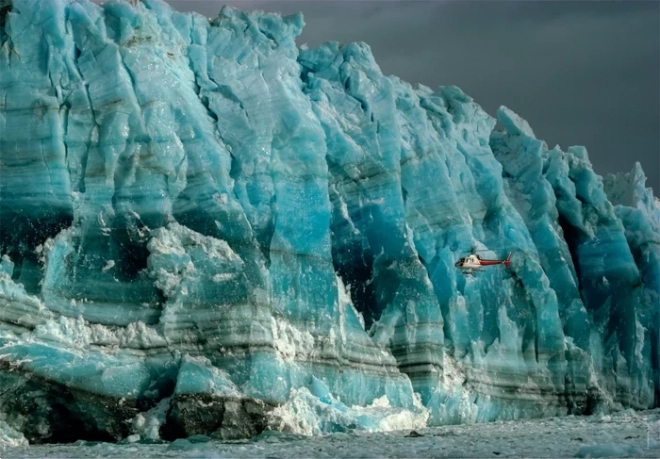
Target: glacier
x=205 y=229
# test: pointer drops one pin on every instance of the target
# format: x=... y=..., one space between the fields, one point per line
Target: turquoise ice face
x=205 y=229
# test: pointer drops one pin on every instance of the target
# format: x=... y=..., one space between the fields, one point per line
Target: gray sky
x=581 y=72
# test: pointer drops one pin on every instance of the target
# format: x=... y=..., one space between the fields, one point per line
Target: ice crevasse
x=205 y=229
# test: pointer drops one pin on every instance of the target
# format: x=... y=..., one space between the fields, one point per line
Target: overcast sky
x=581 y=72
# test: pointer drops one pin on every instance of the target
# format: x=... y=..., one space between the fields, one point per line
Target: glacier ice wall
x=205 y=229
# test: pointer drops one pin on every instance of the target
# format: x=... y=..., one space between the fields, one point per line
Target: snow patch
x=344 y=298
x=108 y=266
x=10 y=437
x=290 y=342
x=176 y=250
x=147 y=425
x=77 y=333
x=308 y=413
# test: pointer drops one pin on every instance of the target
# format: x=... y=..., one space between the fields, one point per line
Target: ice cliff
x=207 y=230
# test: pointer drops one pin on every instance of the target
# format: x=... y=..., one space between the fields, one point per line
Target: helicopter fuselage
x=475 y=262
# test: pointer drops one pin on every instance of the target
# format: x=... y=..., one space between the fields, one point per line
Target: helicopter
x=473 y=262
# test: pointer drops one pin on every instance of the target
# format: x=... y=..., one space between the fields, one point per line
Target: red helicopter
x=473 y=262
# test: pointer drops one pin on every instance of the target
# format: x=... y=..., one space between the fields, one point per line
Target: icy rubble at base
x=315 y=411
x=209 y=231
x=625 y=434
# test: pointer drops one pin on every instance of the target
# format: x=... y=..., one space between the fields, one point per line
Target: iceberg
x=207 y=230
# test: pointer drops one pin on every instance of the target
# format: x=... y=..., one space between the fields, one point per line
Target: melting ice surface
x=207 y=230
